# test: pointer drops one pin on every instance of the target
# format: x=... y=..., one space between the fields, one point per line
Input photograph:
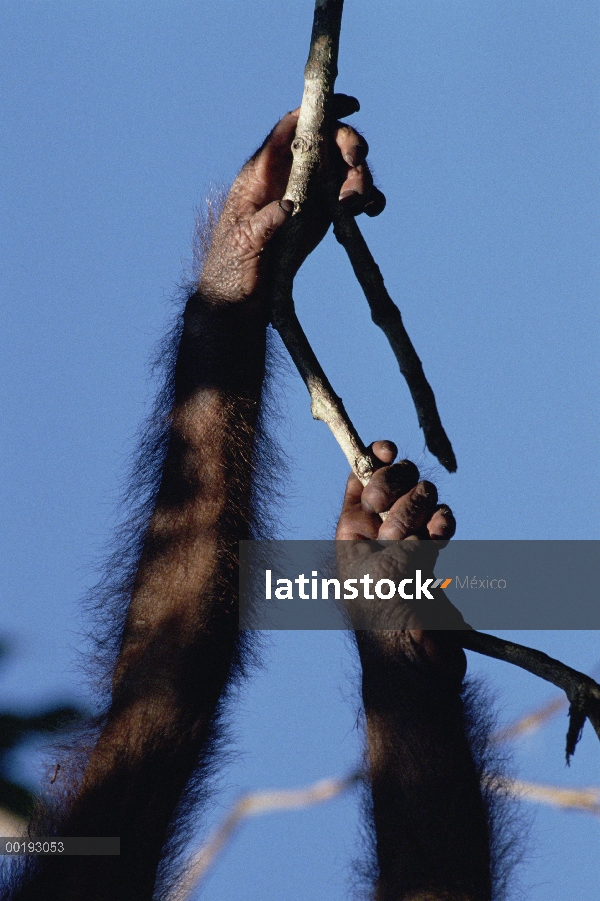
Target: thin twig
x=309 y=170
x=325 y=403
x=531 y=722
x=387 y=316
x=252 y=805
x=584 y=799
x=581 y=690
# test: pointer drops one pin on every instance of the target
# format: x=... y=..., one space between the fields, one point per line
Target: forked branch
x=309 y=170
x=581 y=690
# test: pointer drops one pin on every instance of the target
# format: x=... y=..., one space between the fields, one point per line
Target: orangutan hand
x=237 y=262
x=405 y=545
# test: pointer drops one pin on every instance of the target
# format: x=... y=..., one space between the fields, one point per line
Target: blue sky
x=117 y=120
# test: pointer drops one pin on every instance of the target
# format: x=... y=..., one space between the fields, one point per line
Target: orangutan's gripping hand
x=413 y=510
x=254 y=210
x=410 y=537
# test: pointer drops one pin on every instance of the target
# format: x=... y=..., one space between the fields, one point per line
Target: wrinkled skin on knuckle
x=424 y=496
x=388 y=484
x=396 y=527
x=411 y=513
x=262 y=185
x=245 y=246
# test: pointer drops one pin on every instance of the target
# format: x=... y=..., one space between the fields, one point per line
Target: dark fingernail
x=389 y=446
x=402 y=476
x=287 y=206
x=355 y=155
x=376 y=205
x=345 y=105
x=445 y=509
x=348 y=198
x=444 y=529
x=427 y=490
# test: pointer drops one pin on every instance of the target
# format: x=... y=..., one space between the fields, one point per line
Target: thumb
x=265 y=222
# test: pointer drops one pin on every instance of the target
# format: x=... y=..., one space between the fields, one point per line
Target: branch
x=325 y=404
x=309 y=168
x=387 y=316
x=252 y=805
x=581 y=690
x=310 y=172
x=585 y=799
x=531 y=722
x=257 y=803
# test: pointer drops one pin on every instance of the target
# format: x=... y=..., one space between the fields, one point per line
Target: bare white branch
x=253 y=805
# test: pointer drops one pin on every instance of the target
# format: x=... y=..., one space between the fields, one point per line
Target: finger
x=351 y=144
x=344 y=105
x=442 y=525
x=275 y=152
x=388 y=484
x=358 y=180
x=352 y=495
x=355 y=522
x=410 y=515
x=376 y=203
x=265 y=222
x=386 y=451
x=358 y=193
x=283 y=133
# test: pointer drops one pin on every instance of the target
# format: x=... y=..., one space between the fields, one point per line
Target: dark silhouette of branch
x=581 y=690
x=536 y=719
x=387 y=316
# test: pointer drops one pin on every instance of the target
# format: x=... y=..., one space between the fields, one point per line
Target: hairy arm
x=181 y=645
x=431 y=824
